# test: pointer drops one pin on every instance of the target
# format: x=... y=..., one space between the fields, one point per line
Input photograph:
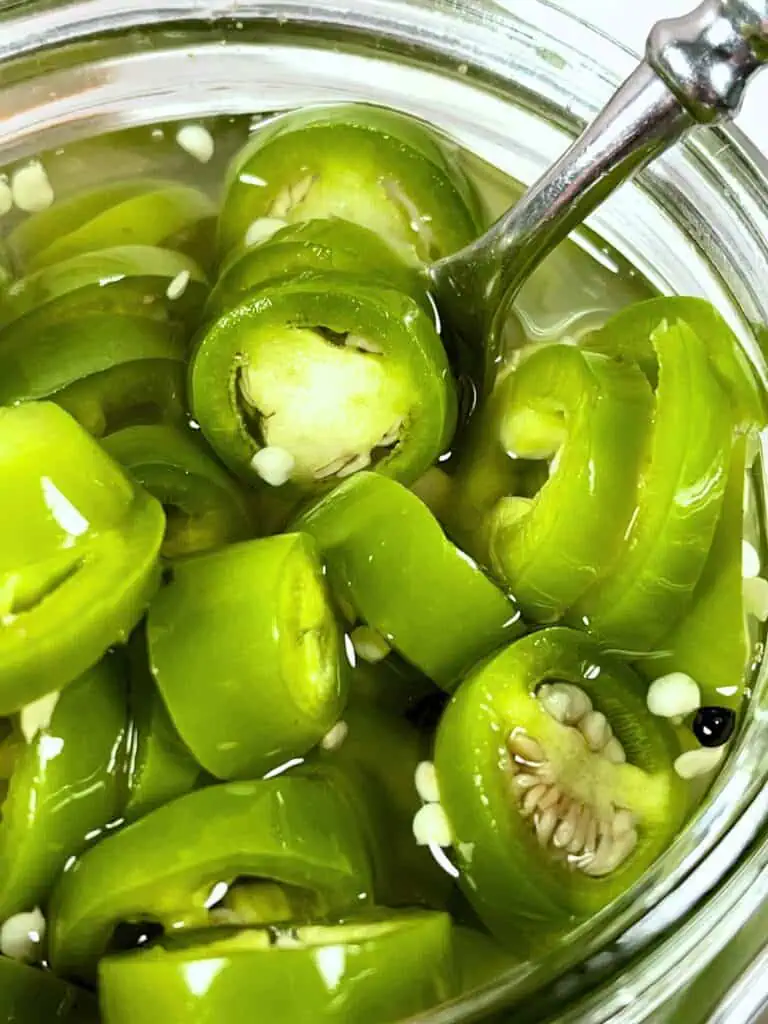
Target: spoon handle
x=695 y=72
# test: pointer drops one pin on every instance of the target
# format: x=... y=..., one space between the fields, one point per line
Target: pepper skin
x=388 y=559
x=205 y=507
x=386 y=967
x=30 y=995
x=334 y=373
x=292 y=830
x=66 y=783
x=378 y=168
x=520 y=886
x=273 y=681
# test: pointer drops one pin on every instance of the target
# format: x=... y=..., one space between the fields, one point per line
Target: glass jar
x=514 y=82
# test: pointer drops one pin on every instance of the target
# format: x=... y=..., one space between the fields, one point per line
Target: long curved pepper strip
x=205 y=507
x=105 y=369
x=272 y=682
x=387 y=966
x=313 y=246
x=323 y=377
x=381 y=169
x=650 y=583
x=66 y=784
x=79 y=543
x=590 y=414
x=29 y=995
x=138 y=212
x=388 y=559
x=557 y=783
x=291 y=830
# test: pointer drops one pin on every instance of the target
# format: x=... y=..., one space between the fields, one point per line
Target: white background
x=629 y=22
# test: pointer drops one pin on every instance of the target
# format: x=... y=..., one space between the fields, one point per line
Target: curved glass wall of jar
x=503 y=80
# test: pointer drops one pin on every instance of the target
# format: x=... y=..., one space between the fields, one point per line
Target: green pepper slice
x=651 y=581
x=204 y=506
x=374 y=761
x=104 y=369
x=292 y=830
x=388 y=559
x=29 y=995
x=557 y=782
x=78 y=544
x=710 y=642
x=142 y=212
x=160 y=768
x=329 y=374
x=589 y=414
x=376 y=969
x=247 y=654
x=378 y=168
x=65 y=785
x=628 y=334
x=134 y=280
x=313 y=246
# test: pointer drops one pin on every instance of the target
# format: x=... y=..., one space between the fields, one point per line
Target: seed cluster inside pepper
x=303 y=662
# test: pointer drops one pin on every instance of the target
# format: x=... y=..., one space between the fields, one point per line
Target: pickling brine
x=335 y=680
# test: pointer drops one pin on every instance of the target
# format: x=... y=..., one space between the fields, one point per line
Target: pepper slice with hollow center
x=329 y=375
x=381 y=967
x=590 y=414
x=378 y=168
x=79 y=543
x=291 y=830
x=247 y=654
x=388 y=560
x=557 y=782
x=66 y=784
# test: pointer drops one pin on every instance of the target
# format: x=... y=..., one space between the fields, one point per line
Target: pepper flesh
x=292 y=830
x=29 y=995
x=388 y=559
x=66 y=785
x=273 y=682
x=330 y=372
x=79 y=543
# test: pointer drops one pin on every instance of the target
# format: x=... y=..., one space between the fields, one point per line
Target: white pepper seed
x=699 y=761
x=431 y=826
x=426 y=782
x=750 y=560
x=197 y=141
x=673 y=694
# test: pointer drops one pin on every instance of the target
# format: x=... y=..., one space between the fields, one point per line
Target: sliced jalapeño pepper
x=557 y=782
x=29 y=995
x=66 y=784
x=651 y=581
x=389 y=966
x=79 y=544
x=388 y=559
x=106 y=370
x=329 y=376
x=590 y=415
x=291 y=830
x=272 y=683
x=379 y=168
x=310 y=247
x=205 y=507
x=140 y=212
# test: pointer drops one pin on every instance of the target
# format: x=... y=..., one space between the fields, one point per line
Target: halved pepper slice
x=310 y=247
x=105 y=369
x=205 y=507
x=66 y=783
x=590 y=415
x=136 y=212
x=30 y=995
x=649 y=584
x=388 y=559
x=557 y=782
x=133 y=280
x=329 y=374
x=295 y=831
x=380 y=168
x=272 y=682
x=79 y=544
x=387 y=966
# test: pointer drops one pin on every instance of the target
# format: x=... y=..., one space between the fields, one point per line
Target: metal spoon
x=695 y=71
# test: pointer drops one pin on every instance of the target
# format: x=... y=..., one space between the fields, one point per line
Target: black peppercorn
x=714 y=726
